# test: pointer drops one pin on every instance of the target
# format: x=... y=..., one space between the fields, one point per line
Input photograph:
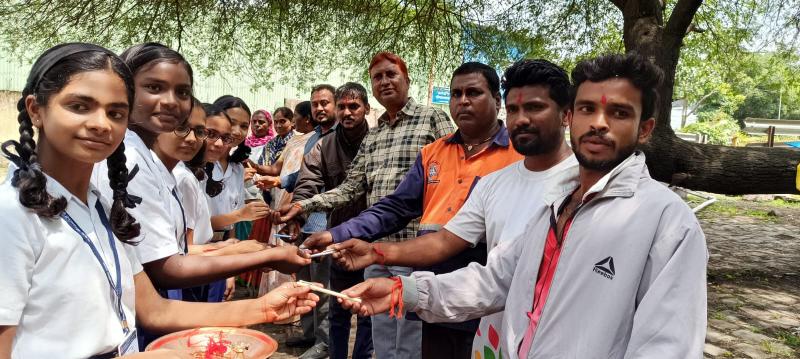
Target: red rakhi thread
x=379 y=253
x=396 y=308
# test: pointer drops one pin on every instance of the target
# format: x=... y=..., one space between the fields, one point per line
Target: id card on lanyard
x=129 y=342
x=183 y=218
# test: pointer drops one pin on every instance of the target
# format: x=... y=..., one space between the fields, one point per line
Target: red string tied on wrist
x=379 y=252
x=396 y=307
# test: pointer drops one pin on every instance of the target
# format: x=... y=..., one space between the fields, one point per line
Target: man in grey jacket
x=614 y=268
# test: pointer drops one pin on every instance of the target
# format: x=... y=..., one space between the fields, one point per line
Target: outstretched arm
x=163 y=315
x=467 y=293
x=423 y=251
x=389 y=215
x=268 y=170
x=354 y=186
x=249 y=212
x=179 y=271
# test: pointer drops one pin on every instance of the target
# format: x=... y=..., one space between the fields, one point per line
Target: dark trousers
x=445 y=343
x=340 y=319
x=315 y=323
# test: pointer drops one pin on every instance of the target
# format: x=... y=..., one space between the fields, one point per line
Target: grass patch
x=780 y=202
x=767 y=346
x=729 y=209
x=790 y=339
x=718 y=316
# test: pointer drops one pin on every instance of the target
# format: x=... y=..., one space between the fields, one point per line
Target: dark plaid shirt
x=386 y=155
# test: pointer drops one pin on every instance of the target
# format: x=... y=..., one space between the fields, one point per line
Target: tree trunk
x=711 y=168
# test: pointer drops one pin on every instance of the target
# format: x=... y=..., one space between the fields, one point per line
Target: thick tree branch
x=681 y=17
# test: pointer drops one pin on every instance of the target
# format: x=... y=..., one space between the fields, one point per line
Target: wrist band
x=396 y=306
x=380 y=254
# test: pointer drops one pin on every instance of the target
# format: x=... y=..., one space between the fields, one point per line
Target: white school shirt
x=250 y=189
x=255 y=153
x=232 y=196
x=177 y=210
x=494 y=212
x=193 y=195
x=158 y=225
x=53 y=288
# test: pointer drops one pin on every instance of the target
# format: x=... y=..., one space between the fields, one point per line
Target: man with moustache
x=436 y=187
x=324 y=119
x=385 y=156
x=326 y=167
x=614 y=267
x=536 y=94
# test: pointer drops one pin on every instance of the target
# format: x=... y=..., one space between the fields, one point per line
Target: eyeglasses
x=213 y=136
x=200 y=132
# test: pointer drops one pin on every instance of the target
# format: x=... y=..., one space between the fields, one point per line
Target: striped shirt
x=386 y=155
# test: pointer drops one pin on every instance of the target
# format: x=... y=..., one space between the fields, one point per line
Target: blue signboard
x=441 y=95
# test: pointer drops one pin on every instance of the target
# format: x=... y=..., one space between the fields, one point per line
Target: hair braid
x=213 y=187
x=197 y=164
x=240 y=154
x=29 y=178
x=122 y=223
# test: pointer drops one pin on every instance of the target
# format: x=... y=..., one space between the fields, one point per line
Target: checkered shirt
x=386 y=155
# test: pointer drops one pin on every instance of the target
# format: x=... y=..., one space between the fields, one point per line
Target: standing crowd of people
x=132 y=207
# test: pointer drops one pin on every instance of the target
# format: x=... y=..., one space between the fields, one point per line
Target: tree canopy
x=726 y=57
x=304 y=38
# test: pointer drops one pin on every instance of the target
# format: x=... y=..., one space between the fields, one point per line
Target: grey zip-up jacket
x=630 y=282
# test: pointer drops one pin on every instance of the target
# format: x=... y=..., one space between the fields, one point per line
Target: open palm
x=288 y=300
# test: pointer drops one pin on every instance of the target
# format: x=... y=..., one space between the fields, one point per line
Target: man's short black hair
x=538 y=72
x=323 y=87
x=487 y=71
x=351 y=90
x=643 y=74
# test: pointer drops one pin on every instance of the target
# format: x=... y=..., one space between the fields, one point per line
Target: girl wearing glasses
x=236 y=187
x=228 y=207
x=70 y=273
x=163 y=85
x=172 y=149
x=176 y=150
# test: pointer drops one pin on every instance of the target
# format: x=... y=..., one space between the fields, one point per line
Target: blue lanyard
x=183 y=216
x=118 y=287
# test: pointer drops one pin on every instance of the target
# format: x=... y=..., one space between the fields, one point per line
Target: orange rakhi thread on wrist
x=380 y=254
x=297 y=205
x=396 y=306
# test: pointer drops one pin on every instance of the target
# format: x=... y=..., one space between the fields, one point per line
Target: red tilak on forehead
x=603 y=100
x=519 y=98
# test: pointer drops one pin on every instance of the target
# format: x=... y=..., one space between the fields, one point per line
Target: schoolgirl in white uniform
x=192 y=181
x=163 y=100
x=171 y=150
x=230 y=170
x=72 y=285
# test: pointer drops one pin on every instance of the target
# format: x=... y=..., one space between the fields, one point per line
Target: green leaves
x=296 y=42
